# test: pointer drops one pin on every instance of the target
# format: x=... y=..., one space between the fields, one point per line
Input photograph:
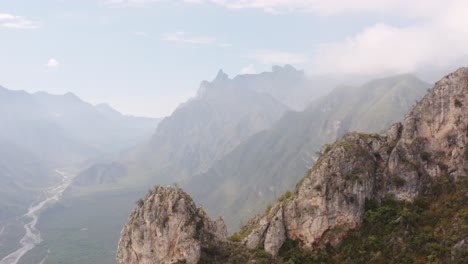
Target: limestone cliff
x=429 y=143
x=167 y=227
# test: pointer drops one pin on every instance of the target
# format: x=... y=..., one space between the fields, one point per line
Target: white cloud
x=413 y=8
x=278 y=57
x=13 y=21
x=52 y=63
x=182 y=37
x=437 y=35
x=248 y=70
x=130 y=2
x=382 y=48
x=333 y=7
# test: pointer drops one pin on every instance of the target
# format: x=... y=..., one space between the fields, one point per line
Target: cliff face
x=167 y=227
x=430 y=142
x=241 y=184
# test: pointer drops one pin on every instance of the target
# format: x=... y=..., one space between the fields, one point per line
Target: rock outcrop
x=167 y=227
x=431 y=142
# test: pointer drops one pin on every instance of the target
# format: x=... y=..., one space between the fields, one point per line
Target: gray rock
x=431 y=142
x=167 y=227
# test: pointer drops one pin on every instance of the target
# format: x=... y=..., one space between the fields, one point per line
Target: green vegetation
x=75 y=232
x=140 y=202
x=425 y=156
x=285 y=196
x=429 y=230
x=239 y=236
x=398 y=181
x=365 y=136
x=327 y=148
x=318 y=188
x=233 y=254
x=451 y=140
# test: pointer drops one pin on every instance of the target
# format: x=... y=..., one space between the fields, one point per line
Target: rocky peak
x=221 y=76
x=330 y=200
x=430 y=143
x=167 y=227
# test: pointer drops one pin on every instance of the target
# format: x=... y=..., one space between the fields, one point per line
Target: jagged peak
x=431 y=142
x=221 y=76
x=459 y=74
x=286 y=68
x=330 y=200
x=182 y=228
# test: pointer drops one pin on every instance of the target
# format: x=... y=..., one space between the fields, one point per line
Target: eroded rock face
x=430 y=142
x=167 y=227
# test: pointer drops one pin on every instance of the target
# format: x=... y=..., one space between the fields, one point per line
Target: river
x=32 y=237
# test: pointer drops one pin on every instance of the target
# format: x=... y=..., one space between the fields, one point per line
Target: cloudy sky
x=144 y=57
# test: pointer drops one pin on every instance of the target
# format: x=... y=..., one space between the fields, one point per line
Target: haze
x=144 y=57
x=233 y=131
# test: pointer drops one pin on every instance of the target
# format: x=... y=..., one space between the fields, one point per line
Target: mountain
x=430 y=144
x=42 y=132
x=22 y=176
x=62 y=128
x=224 y=113
x=100 y=173
x=180 y=227
x=272 y=161
x=420 y=162
x=286 y=84
x=101 y=127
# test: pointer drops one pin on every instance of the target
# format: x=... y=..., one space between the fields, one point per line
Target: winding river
x=32 y=236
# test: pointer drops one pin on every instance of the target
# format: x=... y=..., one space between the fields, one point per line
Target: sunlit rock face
x=429 y=143
x=167 y=227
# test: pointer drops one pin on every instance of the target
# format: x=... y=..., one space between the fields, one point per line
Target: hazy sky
x=144 y=57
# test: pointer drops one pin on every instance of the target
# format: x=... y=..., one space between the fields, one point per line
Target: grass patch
x=239 y=236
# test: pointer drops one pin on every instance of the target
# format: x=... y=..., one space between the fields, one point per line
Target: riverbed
x=32 y=236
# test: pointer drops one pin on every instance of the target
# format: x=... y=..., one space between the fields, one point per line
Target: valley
x=233 y=132
x=32 y=235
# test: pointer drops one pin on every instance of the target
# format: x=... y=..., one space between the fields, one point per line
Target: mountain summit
x=429 y=145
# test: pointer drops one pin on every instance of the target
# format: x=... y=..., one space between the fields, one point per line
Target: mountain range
x=399 y=196
x=235 y=146
x=272 y=161
x=42 y=132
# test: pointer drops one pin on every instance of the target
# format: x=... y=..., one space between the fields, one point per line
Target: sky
x=144 y=57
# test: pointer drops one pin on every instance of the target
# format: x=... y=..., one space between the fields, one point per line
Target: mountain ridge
x=270 y=162
x=429 y=144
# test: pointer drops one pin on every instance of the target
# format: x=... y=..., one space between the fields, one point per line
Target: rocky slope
x=428 y=145
x=288 y=85
x=204 y=129
x=242 y=183
x=167 y=227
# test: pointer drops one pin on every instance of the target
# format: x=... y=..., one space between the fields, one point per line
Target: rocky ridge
x=430 y=143
x=167 y=227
